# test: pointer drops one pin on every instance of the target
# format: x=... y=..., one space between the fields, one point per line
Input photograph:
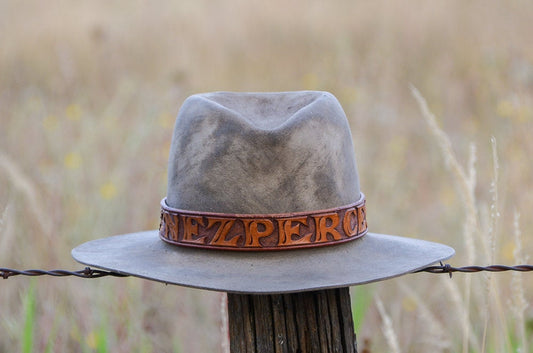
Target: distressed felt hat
x=263 y=197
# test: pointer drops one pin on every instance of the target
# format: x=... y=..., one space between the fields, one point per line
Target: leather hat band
x=263 y=231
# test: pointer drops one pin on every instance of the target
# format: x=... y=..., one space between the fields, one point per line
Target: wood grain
x=307 y=322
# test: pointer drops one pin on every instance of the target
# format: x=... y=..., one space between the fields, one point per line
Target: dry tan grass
x=388 y=330
x=89 y=92
x=491 y=299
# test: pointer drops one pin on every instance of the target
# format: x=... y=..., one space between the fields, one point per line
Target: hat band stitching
x=260 y=232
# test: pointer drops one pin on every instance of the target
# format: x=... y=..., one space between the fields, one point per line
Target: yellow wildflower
x=72 y=160
x=505 y=108
x=409 y=304
x=515 y=111
x=92 y=340
x=508 y=251
x=50 y=122
x=108 y=190
x=73 y=112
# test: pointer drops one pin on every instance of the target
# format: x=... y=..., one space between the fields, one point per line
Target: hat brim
x=372 y=258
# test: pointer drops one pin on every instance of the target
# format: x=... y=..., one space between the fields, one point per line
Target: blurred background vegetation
x=88 y=96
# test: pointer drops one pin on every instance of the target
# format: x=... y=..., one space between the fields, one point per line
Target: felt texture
x=261 y=153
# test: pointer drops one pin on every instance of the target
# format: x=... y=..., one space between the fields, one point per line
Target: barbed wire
x=88 y=272
x=447 y=268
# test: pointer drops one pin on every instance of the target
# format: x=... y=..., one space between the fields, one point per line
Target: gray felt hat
x=263 y=197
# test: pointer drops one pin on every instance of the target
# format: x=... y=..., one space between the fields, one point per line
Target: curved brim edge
x=374 y=257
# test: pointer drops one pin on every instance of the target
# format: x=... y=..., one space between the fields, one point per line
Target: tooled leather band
x=263 y=231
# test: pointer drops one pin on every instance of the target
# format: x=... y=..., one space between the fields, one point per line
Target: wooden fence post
x=308 y=322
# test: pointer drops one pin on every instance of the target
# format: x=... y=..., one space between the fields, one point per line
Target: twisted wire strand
x=88 y=272
x=447 y=268
x=467 y=269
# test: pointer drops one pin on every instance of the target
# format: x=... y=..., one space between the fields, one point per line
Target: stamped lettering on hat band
x=263 y=232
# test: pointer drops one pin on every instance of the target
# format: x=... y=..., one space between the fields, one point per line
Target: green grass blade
x=29 y=306
x=102 y=341
x=361 y=300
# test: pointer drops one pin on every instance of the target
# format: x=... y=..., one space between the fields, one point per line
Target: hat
x=263 y=197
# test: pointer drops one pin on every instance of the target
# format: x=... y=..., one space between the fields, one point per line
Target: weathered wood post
x=314 y=322
x=263 y=201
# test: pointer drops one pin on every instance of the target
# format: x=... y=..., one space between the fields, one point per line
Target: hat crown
x=261 y=153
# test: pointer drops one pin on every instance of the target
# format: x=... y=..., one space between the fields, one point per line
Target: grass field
x=88 y=96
